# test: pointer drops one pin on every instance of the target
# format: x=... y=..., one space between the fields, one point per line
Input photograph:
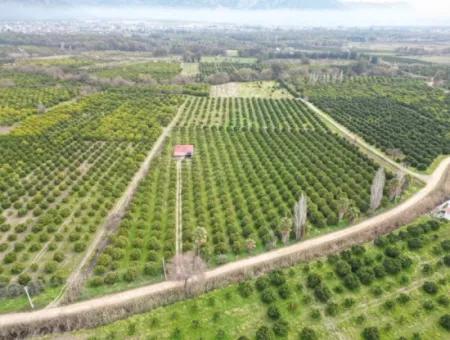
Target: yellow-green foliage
x=8 y=115
x=139 y=119
x=37 y=124
x=157 y=70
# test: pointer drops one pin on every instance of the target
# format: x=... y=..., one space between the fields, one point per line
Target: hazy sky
x=391 y=13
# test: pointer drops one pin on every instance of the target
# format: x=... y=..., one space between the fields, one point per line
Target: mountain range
x=232 y=4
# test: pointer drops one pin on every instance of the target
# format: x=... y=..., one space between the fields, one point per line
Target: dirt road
x=363 y=144
x=179 y=214
x=116 y=213
x=120 y=302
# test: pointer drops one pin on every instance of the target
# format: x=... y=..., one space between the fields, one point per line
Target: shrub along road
x=108 y=308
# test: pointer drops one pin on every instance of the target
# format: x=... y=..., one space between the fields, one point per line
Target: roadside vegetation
x=393 y=288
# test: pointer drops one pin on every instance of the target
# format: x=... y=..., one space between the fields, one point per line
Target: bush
x=277 y=278
x=262 y=283
x=322 y=293
x=446 y=260
x=342 y=268
x=307 y=334
x=392 y=266
x=414 y=244
x=267 y=296
x=444 y=321
x=443 y=300
x=58 y=256
x=445 y=245
x=392 y=252
x=79 y=247
x=281 y=328
x=131 y=274
x=273 y=312
x=313 y=280
x=24 y=279
x=403 y=298
x=264 y=333
x=370 y=333
x=332 y=309
x=284 y=291
x=50 y=267
x=111 y=278
x=430 y=287
x=351 y=282
x=245 y=289
x=152 y=269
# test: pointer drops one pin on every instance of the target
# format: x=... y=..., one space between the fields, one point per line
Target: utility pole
x=164 y=268
x=25 y=288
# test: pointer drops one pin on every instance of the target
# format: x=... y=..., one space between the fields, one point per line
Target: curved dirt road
x=124 y=302
x=362 y=143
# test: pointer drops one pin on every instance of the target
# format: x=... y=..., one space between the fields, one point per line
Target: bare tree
x=250 y=244
x=285 y=229
x=185 y=266
x=376 y=191
x=344 y=205
x=300 y=216
x=41 y=108
x=398 y=185
x=271 y=240
x=200 y=238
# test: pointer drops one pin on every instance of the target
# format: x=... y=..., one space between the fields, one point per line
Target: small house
x=183 y=151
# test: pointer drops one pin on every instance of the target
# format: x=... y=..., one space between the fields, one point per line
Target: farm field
x=404 y=118
x=258 y=89
x=395 y=287
x=229 y=65
x=190 y=69
x=228 y=59
x=60 y=174
x=243 y=180
x=158 y=70
x=23 y=95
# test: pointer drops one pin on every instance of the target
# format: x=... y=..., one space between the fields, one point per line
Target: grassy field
x=438 y=59
x=190 y=69
x=397 y=287
x=228 y=59
x=258 y=89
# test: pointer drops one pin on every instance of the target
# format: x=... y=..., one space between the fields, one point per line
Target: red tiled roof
x=183 y=150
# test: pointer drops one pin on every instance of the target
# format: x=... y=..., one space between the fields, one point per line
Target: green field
x=243 y=180
x=397 y=286
x=257 y=89
x=60 y=174
x=405 y=118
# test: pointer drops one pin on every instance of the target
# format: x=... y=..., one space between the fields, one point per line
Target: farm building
x=443 y=211
x=183 y=151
